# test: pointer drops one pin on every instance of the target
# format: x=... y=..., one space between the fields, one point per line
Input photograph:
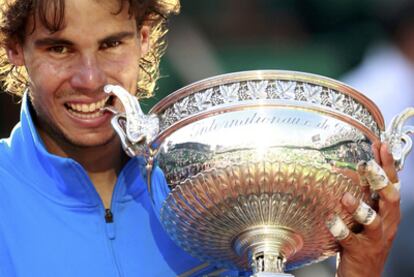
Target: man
x=88 y=215
x=72 y=203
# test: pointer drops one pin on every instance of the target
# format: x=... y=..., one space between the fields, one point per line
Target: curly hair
x=14 y=15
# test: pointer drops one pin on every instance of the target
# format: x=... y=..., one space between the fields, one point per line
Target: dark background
x=220 y=36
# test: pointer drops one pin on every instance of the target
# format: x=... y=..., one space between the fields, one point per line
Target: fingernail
x=349 y=200
x=337 y=228
x=362 y=165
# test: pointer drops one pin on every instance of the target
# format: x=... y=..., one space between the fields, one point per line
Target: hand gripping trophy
x=257 y=161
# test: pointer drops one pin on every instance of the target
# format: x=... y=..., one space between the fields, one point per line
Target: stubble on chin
x=56 y=140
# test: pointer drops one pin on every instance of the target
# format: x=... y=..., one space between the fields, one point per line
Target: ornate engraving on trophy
x=272 y=90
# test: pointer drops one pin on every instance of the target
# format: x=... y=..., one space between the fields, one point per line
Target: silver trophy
x=256 y=162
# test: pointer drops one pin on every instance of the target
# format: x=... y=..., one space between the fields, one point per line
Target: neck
x=94 y=159
x=102 y=163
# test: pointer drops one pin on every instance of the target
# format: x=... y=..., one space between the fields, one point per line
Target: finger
x=363 y=214
x=341 y=233
x=338 y=228
x=376 y=151
x=391 y=194
x=350 y=242
x=375 y=175
x=387 y=162
x=362 y=172
x=391 y=217
x=397 y=186
x=389 y=207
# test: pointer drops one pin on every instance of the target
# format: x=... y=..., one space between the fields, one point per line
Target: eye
x=58 y=49
x=110 y=44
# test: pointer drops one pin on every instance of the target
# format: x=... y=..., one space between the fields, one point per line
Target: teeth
x=88 y=108
x=85 y=108
x=86 y=115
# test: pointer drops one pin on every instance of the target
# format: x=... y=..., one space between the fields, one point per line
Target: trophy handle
x=119 y=123
x=397 y=137
x=140 y=128
x=135 y=129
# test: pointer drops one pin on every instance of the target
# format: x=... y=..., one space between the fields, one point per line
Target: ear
x=15 y=53
x=144 y=34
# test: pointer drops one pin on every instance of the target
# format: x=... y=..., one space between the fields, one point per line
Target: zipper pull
x=110 y=228
x=109 y=217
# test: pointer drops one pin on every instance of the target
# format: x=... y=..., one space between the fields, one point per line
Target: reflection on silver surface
x=261 y=133
x=256 y=162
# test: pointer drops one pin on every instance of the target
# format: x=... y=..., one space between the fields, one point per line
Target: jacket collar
x=63 y=179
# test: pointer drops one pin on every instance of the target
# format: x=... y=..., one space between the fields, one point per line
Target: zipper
x=110 y=228
x=107 y=214
x=109 y=217
x=109 y=221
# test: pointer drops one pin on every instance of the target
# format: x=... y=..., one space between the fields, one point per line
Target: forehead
x=82 y=16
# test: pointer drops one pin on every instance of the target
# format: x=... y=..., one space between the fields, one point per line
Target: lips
x=87 y=110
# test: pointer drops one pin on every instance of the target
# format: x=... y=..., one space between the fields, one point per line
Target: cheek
x=124 y=69
x=42 y=105
x=46 y=77
x=45 y=80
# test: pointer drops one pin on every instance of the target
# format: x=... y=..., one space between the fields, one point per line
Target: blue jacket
x=53 y=224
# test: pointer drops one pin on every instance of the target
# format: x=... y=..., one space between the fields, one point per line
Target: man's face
x=69 y=68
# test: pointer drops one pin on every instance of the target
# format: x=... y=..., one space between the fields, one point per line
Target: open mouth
x=91 y=110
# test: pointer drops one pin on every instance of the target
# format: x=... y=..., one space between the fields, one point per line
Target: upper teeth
x=87 y=108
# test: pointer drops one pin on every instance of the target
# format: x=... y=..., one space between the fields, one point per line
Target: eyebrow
x=42 y=42
x=118 y=36
x=52 y=41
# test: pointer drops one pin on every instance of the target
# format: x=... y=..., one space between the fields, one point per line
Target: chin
x=90 y=141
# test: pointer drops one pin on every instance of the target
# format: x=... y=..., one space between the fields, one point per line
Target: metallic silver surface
x=396 y=136
x=256 y=162
x=210 y=213
x=283 y=87
x=139 y=128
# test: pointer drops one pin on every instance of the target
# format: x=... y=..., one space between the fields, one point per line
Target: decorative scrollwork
x=203 y=99
x=181 y=108
x=257 y=90
x=230 y=93
x=312 y=93
x=304 y=92
x=286 y=89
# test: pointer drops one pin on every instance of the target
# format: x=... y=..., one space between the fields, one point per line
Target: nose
x=88 y=74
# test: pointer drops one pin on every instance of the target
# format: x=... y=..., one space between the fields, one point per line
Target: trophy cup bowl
x=256 y=162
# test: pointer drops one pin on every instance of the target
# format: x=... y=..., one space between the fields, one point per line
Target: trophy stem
x=268 y=248
x=267 y=264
